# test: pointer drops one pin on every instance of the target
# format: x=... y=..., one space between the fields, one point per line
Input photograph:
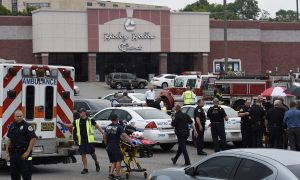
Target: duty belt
x=17 y=150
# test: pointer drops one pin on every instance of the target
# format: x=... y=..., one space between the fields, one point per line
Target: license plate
x=161 y=135
x=171 y=135
x=37 y=149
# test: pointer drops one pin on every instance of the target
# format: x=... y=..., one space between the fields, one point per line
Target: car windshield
x=141 y=97
x=152 y=114
x=295 y=170
x=231 y=113
x=159 y=76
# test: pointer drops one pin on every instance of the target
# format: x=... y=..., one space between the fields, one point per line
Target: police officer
x=217 y=115
x=200 y=119
x=245 y=124
x=85 y=136
x=257 y=115
x=113 y=134
x=181 y=123
x=21 y=139
x=188 y=96
x=274 y=125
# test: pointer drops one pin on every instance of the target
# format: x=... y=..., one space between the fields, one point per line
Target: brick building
x=147 y=40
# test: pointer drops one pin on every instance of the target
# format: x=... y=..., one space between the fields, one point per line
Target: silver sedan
x=239 y=164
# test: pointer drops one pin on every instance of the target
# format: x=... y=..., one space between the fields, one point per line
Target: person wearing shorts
x=113 y=134
x=84 y=132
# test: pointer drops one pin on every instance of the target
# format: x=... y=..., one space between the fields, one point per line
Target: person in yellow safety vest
x=85 y=136
x=218 y=94
x=188 y=96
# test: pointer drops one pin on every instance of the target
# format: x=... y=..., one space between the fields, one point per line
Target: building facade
x=147 y=40
x=103 y=40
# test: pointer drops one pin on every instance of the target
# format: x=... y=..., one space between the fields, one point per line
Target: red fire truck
x=234 y=89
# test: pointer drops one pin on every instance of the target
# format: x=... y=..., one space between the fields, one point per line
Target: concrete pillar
x=45 y=58
x=92 y=67
x=163 y=63
x=204 y=63
x=197 y=62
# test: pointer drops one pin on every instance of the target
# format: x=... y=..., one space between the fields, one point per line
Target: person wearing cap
x=274 y=125
x=84 y=131
x=257 y=119
x=217 y=115
x=181 y=123
x=188 y=96
x=113 y=134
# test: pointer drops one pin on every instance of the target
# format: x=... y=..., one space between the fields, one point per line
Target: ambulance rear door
x=39 y=103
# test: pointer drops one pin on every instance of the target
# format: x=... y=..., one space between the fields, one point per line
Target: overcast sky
x=270 y=5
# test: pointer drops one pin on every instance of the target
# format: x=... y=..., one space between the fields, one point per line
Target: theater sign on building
x=143 y=41
x=100 y=38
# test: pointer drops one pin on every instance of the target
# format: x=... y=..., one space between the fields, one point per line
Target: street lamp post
x=225 y=37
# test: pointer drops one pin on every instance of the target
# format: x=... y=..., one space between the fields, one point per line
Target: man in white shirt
x=150 y=96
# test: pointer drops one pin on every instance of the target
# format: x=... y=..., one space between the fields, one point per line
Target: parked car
x=76 y=90
x=154 y=124
x=91 y=105
x=232 y=126
x=137 y=98
x=239 y=164
x=120 y=80
x=163 y=80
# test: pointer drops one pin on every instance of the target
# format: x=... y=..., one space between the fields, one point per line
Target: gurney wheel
x=145 y=174
x=127 y=175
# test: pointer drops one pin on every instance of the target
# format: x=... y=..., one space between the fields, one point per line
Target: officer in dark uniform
x=257 y=118
x=113 y=134
x=275 y=125
x=21 y=139
x=216 y=114
x=182 y=131
x=200 y=119
x=245 y=125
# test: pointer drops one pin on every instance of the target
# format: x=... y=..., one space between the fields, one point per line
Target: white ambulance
x=45 y=94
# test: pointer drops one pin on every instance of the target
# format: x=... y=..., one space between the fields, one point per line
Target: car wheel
x=164 y=85
x=119 y=86
x=167 y=147
x=142 y=85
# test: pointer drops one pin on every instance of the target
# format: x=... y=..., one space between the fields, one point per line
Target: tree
x=4 y=11
x=240 y=9
x=264 y=15
x=286 y=15
x=27 y=11
x=245 y=9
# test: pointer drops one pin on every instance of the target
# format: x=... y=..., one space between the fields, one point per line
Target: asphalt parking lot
x=160 y=159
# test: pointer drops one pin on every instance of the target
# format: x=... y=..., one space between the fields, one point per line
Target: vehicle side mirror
x=99 y=97
x=190 y=171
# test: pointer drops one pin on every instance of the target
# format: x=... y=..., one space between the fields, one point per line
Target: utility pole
x=297 y=10
x=225 y=37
